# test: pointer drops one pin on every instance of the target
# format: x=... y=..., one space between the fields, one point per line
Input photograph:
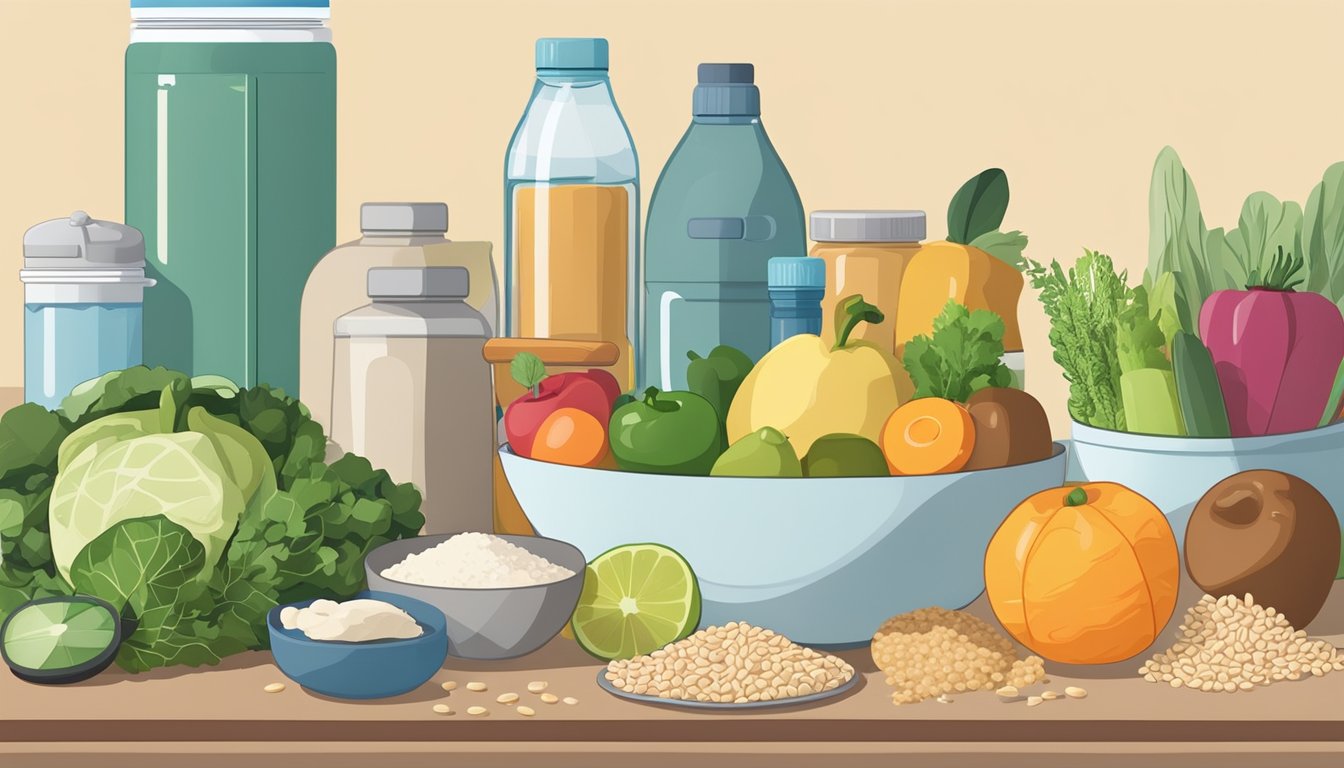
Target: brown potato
x=1267 y=533
x=1010 y=428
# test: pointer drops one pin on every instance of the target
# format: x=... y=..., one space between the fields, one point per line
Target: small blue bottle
x=796 y=284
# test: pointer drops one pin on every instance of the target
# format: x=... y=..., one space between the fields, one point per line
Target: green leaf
x=1323 y=236
x=1166 y=305
x=30 y=437
x=528 y=370
x=961 y=357
x=1226 y=272
x=1139 y=338
x=1004 y=246
x=134 y=389
x=1177 y=238
x=138 y=564
x=148 y=569
x=1265 y=226
x=978 y=207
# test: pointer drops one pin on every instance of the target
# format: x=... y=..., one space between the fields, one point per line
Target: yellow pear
x=808 y=387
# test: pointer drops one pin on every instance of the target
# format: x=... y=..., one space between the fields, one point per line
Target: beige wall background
x=871 y=103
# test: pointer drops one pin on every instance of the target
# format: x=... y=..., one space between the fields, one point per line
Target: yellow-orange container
x=943 y=271
x=866 y=252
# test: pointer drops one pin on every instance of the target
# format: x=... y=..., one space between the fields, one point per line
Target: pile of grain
x=733 y=664
x=933 y=651
x=1230 y=644
x=476 y=561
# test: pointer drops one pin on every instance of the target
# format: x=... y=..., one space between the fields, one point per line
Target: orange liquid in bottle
x=572 y=256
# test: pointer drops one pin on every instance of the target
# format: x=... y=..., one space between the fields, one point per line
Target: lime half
x=636 y=599
x=60 y=639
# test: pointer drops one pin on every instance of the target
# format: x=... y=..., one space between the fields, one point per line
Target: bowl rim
x=1134 y=441
x=512 y=538
x=273 y=622
x=1058 y=448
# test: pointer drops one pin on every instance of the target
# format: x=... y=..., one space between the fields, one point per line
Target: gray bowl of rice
x=502 y=596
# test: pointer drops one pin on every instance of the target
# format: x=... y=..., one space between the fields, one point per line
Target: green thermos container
x=231 y=176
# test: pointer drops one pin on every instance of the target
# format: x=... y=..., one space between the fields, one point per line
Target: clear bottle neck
x=574 y=78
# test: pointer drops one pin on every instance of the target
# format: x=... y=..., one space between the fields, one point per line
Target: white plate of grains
x=733 y=667
x=791 y=701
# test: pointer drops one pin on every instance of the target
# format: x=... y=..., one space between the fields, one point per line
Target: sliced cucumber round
x=60 y=639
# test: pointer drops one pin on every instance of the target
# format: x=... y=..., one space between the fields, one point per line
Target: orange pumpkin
x=1085 y=574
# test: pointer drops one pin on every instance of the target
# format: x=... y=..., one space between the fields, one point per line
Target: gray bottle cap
x=82 y=242
x=419 y=283
x=726 y=90
x=403 y=218
x=868 y=226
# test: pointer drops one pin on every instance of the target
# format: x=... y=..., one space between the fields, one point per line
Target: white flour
x=352 y=621
x=476 y=561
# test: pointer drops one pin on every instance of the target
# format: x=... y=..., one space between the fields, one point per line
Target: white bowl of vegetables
x=1229 y=357
x=806 y=498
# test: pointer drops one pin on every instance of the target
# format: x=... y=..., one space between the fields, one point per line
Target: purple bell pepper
x=1276 y=351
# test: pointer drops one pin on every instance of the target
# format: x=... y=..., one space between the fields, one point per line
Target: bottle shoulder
x=571 y=133
x=733 y=165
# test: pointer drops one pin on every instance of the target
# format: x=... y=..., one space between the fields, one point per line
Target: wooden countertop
x=220 y=716
x=216 y=715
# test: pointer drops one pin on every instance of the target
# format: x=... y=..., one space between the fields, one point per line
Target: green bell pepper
x=667 y=433
x=717 y=378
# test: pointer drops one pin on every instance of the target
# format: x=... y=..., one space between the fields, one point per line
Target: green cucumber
x=1197 y=387
x=60 y=639
x=1336 y=395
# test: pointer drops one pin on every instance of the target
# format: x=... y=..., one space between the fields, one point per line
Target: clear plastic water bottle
x=797 y=286
x=571 y=187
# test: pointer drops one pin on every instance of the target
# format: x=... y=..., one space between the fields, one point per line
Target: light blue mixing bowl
x=1174 y=472
x=823 y=560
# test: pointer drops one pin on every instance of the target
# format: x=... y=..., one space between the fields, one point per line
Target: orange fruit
x=1085 y=574
x=928 y=436
x=571 y=436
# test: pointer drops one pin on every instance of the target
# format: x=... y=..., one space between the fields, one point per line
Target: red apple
x=605 y=380
x=524 y=416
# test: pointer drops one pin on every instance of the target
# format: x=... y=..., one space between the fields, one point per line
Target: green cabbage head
x=194 y=469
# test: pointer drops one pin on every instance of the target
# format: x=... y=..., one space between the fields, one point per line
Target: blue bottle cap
x=726 y=90
x=796 y=272
x=572 y=53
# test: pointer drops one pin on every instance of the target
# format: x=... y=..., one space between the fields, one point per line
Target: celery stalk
x=1151 y=407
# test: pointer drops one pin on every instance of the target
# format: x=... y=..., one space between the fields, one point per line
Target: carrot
x=571 y=436
x=928 y=436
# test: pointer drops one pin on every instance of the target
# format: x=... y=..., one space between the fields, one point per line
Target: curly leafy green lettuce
x=961 y=357
x=196 y=580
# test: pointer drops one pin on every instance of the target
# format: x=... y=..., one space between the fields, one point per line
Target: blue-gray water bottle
x=796 y=284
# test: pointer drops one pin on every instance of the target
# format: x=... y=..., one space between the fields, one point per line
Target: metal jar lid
x=868 y=226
